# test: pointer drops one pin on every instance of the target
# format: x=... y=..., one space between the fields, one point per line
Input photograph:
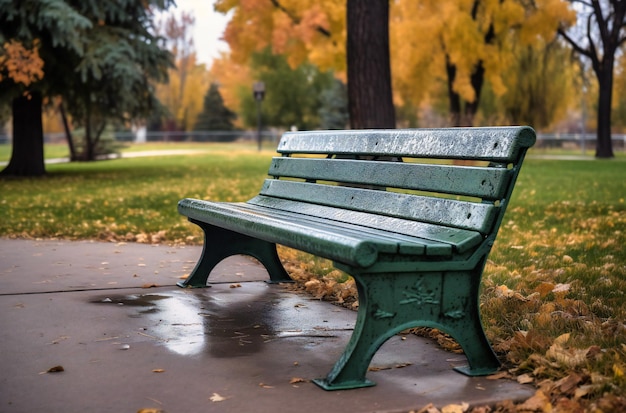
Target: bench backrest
x=411 y=174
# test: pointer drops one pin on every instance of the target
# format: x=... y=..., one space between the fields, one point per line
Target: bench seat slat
x=272 y=223
x=406 y=244
x=348 y=249
x=448 y=212
x=437 y=239
x=498 y=144
x=488 y=183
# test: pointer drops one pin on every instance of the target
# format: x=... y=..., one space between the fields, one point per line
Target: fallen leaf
x=158 y=370
x=506 y=292
x=524 y=379
x=235 y=285
x=429 y=408
x=538 y=403
x=295 y=380
x=149 y=285
x=567 y=384
x=217 y=398
x=455 y=408
x=561 y=288
x=55 y=369
x=150 y=411
x=593 y=351
x=584 y=390
x=499 y=375
x=265 y=386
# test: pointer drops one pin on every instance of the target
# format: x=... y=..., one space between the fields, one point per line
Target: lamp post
x=258 y=90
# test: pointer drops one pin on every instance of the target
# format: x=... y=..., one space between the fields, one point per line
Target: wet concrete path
x=127 y=338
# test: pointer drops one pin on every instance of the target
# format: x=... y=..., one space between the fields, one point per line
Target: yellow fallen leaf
x=562 y=339
x=524 y=379
x=455 y=408
x=429 y=408
x=584 y=390
x=158 y=370
x=538 y=403
x=295 y=380
x=150 y=411
x=499 y=375
x=217 y=398
x=618 y=372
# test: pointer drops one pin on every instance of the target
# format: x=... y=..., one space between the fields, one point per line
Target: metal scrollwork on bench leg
x=392 y=302
x=220 y=243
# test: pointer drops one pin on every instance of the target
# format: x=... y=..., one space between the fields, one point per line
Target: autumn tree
x=188 y=80
x=544 y=78
x=25 y=88
x=19 y=68
x=598 y=37
x=235 y=80
x=467 y=43
x=316 y=31
x=98 y=57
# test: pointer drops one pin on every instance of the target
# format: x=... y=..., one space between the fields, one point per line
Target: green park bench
x=411 y=214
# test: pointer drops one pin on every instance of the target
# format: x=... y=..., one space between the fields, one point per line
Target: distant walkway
x=164 y=152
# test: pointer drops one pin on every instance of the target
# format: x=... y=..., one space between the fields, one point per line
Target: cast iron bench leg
x=220 y=243
x=391 y=303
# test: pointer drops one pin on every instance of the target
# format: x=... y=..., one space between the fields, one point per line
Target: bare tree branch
x=584 y=3
x=573 y=43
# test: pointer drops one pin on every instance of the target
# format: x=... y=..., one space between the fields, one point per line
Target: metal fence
x=580 y=142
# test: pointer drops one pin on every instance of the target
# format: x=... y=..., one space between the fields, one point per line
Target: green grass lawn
x=554 y=296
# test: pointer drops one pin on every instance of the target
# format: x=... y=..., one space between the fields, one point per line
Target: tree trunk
x=604 y=146
x=27 y=153
x=68 y=133
x=370 y=98
x=477 y=79
x=454 y=100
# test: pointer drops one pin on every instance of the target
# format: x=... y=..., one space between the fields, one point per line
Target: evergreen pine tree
x=100 y=57
x=334 y=106
x=215 y=116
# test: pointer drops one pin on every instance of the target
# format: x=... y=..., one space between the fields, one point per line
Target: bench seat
x=330 y=232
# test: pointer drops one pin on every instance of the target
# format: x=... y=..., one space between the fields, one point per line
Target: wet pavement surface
x=127 y=338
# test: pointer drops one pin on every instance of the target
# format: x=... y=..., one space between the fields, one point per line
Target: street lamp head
x=258 y=90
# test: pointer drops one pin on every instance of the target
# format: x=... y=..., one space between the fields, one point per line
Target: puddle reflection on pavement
x=192 y=322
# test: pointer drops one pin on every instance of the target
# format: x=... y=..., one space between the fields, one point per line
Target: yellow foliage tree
x=460 y=43
x=235 y=80
x=465 y=42
x=20 y=64
x=189 y=81
x=300 y=29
